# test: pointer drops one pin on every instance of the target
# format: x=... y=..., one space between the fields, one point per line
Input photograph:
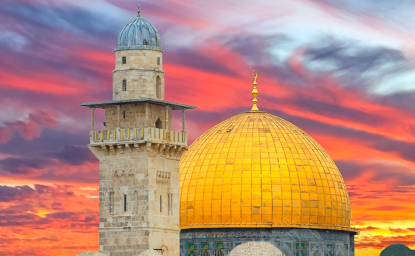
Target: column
x=118 y=116
x=167 y=117
x=147 y=114
x=183 y=121
x=92 y=118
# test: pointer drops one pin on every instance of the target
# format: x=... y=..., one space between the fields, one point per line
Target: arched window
x=124 y=60
x=159 y=124
x=158 y=87
x=124 y=85
x=158 y=61
x=125 y=202
x=145 y=42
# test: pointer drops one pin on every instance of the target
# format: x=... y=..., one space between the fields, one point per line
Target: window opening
x=111 y=202
x=125 y=203
x=124 y=85
x=170 y=204
x=158 y=87
x=145 y=42
x=124 y=60
x=158 y=60
x=159 y=124
x=123 y=114
x=136 y=202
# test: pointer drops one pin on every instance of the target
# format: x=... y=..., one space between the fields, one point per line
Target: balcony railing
x=137 y=134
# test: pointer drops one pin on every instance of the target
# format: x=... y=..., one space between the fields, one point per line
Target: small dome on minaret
x=139 y=34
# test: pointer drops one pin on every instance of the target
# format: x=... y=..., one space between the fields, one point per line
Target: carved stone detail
x=120 y=149
x=112 y=149
x=105 y=149
x=128 y=146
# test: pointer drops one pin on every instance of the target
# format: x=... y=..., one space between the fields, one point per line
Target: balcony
x=137 y=135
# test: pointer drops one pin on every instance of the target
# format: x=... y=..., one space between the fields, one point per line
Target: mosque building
x=252 y=181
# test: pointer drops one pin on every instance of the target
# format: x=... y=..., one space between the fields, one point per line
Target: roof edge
x=138 y=47
x=102 y=104
x=270 y=225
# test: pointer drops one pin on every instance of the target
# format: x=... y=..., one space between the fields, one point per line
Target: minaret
x=138 y=152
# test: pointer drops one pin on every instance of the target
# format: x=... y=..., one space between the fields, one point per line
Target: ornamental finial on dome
x=138 y=10
x=254 y=91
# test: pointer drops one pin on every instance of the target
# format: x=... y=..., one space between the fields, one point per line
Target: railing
x=137 y=134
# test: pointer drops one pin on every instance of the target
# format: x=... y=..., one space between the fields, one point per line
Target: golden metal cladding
x=258 y=170
x=254 y=91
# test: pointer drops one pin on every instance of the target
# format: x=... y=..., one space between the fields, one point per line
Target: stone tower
x=138 y=152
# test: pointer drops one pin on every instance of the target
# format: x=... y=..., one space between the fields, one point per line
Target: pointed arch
x=125 y=202
x=159 y=124
x=124 y=84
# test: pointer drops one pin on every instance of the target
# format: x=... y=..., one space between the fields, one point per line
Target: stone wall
x=140 y=72
x=129 y=227
x=135 y=116
x=139 y=59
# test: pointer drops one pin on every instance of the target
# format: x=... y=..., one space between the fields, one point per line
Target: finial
x=138 y=10
x=254 y=91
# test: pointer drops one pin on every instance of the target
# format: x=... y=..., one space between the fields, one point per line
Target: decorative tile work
x=191 y=249
x=287 y=248
x=301 y=249
x=258 y=170
x=291 y=242
x=329 y=250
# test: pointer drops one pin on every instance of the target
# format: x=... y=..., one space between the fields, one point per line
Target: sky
x=341 y=70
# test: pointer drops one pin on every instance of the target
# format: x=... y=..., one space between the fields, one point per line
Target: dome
x=139 y=34
x=397 y=250
x=258 y=170
x=255 y=248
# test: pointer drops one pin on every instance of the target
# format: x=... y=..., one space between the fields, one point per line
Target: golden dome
x=258 y=170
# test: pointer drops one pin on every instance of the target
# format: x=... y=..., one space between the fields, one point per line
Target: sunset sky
x=342 y=70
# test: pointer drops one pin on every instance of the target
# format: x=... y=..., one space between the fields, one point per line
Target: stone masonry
x=139 y=182
x=143 y=74
x=139 y=200
x=138 y=153
x=136 y=116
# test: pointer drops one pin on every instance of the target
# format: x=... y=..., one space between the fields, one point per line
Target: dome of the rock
x=258 y=170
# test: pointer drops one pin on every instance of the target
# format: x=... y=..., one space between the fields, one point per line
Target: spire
x=254 y=91
x=138 y=10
